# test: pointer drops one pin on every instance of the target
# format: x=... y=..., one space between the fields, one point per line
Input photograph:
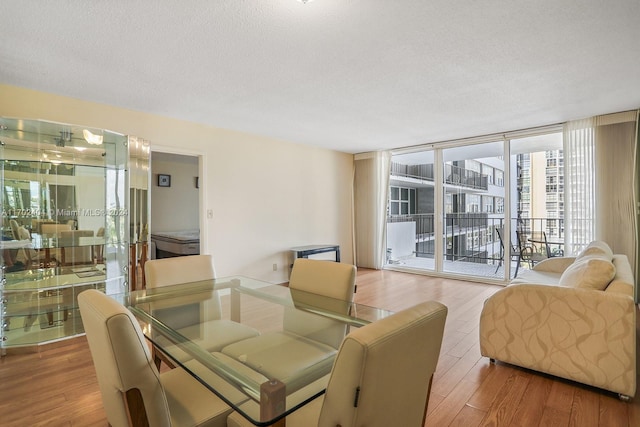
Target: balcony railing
x=472 y=237
x=454 y=175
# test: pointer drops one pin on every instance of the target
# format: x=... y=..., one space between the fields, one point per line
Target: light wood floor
x=57 y=386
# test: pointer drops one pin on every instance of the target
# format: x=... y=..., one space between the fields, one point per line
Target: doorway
x=175 y=204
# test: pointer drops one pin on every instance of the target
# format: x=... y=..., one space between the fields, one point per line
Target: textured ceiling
x=350 y=75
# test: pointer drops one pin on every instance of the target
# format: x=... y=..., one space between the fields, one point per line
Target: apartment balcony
x=469 y=238
x=454 y=175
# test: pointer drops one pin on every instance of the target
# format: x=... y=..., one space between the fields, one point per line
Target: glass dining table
x=266 y=350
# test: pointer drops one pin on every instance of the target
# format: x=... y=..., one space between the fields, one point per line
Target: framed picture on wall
x=164 y=180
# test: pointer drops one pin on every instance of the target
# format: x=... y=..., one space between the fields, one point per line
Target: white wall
x=174 y=208
x=266 y=195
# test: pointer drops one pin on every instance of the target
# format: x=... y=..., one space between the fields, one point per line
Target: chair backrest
x=75 y=255
x=332 y=279
x=14 y=229
x=383 y=371
x=36 y=224
x=183 y=269
x=506 y=244
x=28 y=253
x=175 y=270
x=326 y=278
x=121 y=358
x=48 y=228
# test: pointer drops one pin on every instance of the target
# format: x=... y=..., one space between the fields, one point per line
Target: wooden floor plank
x=491 y=386
x=613 y=412
x=451 y=405
x=504 y=406
x=585 y=410
x=468 y=417
x=530 y=409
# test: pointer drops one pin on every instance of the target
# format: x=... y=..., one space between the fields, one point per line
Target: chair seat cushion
x=232 y=391
x=191 y=403
x=212 y=335
x=284 y=356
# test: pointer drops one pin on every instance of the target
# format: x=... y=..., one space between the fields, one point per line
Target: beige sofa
x=572 y=317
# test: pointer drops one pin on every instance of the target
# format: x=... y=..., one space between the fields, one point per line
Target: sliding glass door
x=410 y=216
x=537 y=223
x=473 y=209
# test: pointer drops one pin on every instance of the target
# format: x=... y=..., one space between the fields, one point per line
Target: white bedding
x=178 y=242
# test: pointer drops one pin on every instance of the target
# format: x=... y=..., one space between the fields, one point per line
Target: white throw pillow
x=592 y=272
x=597 y=247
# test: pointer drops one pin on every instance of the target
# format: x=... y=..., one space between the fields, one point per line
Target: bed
x=175 y=243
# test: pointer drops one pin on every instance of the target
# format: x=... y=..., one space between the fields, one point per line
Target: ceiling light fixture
x=305 y=1
x=92 y=138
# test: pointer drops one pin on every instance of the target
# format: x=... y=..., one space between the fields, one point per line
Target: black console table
x=305 y=251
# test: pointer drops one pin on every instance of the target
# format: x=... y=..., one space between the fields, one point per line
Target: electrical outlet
x=275 y=267
x=210 y=213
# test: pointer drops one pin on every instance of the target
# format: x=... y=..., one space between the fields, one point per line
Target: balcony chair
x=303 y=333
x=558 y=251
x=529 y=252
x=382 y=374
x=193 y=268
x=514 y=252
x=133 y=392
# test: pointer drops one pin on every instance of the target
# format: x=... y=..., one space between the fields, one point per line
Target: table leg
x=272 y=401
x=235 y=306
x=132 y=267
x=143 y=259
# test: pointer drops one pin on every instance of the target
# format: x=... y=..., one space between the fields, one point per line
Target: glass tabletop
x=265 y=349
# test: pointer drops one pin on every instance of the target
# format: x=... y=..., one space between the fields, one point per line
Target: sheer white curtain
x=371 y=188
x=616 y=145
x=601 y=176
x=579 y=182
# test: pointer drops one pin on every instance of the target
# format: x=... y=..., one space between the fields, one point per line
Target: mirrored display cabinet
x=74 y=216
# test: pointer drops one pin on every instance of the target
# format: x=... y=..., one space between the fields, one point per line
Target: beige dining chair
x=72 y=253
x=33 y=258
x=305 y=338
x=133 y=392
x=382 y=374
x=98 y=250
x=334 y=280
x=49 y=229
x=175 y=270
x=53 y=228
x=185 y=269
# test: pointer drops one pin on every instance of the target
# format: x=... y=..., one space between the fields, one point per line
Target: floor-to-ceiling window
x=538 y=219
x=473 y=209
x=410 y=217
x=460 y=208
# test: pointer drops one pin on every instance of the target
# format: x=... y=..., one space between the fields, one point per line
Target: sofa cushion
x=536 y=277
x=591 y=272
x=597 y=248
